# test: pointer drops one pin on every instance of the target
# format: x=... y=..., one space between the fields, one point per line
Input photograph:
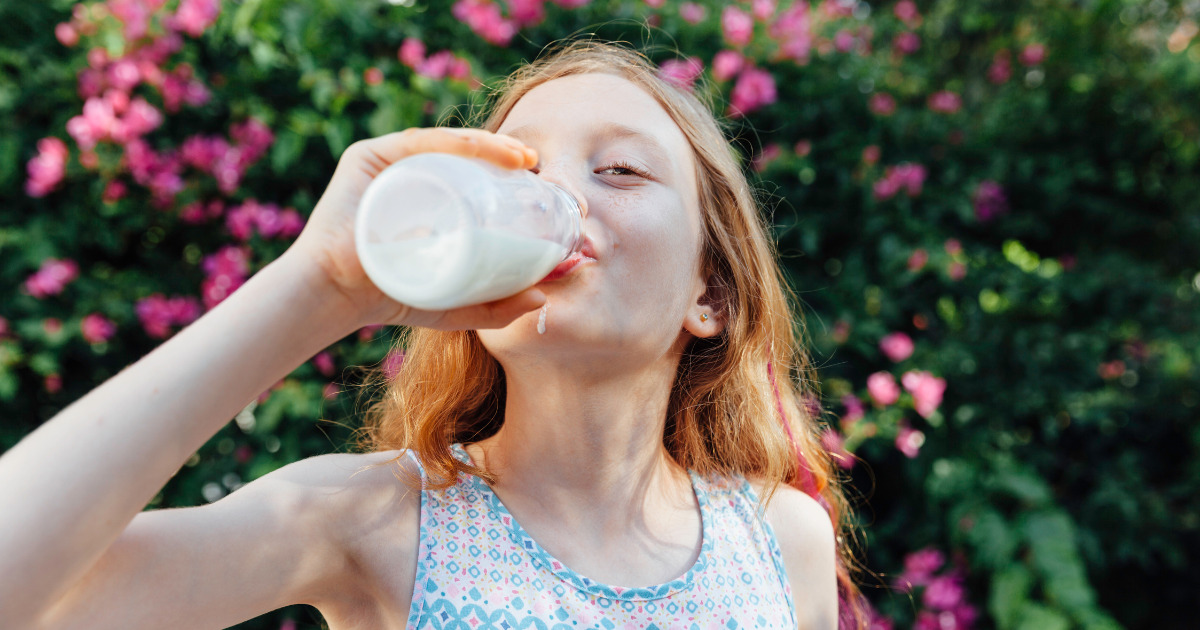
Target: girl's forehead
x=581 y=102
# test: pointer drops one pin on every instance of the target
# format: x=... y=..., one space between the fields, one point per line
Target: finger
x=503 y=151
x=496 y=314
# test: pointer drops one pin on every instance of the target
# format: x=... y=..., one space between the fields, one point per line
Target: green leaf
x=1009 y=596
x=287 y=149
x=339 y=133
x=1037 y=617
x=8 y=384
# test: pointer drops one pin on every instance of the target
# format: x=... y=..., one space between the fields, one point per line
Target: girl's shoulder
x=370 y=504
x=805 y=535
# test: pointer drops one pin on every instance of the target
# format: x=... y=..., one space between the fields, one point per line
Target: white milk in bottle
x=435 y=231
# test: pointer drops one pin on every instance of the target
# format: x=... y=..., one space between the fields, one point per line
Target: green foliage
x=1047 y=265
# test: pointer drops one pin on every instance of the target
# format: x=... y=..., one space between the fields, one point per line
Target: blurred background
x=989 y=211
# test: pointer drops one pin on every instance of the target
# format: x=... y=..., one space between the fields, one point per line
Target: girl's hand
x=328 y=238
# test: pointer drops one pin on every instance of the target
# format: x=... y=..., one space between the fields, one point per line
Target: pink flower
x=66 y=34
x=737 y=26
x=802 y=148
x=97 y=328
x=412 y=52
x=195 y=16
x=762 y=9
x=769 y=154
x=945 y=102
x=692 y=13
x=926 y=389
x=367 y=332
x=989 y=201
x=214 y=289
x=527 y=12
x=4 y=329
x=835 y=445
x=681 y=72
x=290 y=223
x=437 y=65
x=460 y=69
x=922 y=564
x=1001 y=69
x=906 y=43
x=202 y=152
x=944 y=592
x=483 y=17
x=52 y=383
x=906 y=10
x=253 y=137
x=871 y=154
x=46 y=169
x=158 y=314
x=917 y=260
x=227 y=270
x=843 y=41
x=52 y=325
x=909 y=441
x=754 y=89
x=329 y=392
x=882 y=104
x=392 y=363
x=896 y=346
x=793 y=30
x=96 y=123
x=199 y=212
x=1111 y=369
x=883 y=389
x=907 y=176
x=726 y=64
x=324 y=363
x=1032 y=55
x=52 y=277
x=123 y=74
x=231 y=260
x=114 y=191
x=854 y=409
x=953 y=246
x=957 y=270
x=134 y=14
x=139 y=120
x=179 y=87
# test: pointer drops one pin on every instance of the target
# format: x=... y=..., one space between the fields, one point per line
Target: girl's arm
x=69 y=489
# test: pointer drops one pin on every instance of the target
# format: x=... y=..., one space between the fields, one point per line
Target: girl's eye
x=623 y=168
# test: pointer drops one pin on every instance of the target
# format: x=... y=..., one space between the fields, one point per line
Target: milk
x=468 y=266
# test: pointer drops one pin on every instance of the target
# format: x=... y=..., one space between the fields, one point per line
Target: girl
x=646 y=462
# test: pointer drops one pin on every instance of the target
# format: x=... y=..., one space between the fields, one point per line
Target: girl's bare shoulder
x=806 y=539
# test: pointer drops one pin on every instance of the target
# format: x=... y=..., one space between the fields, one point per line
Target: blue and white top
x=477 y=568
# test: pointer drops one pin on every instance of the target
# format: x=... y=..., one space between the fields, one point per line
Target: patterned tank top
x=477 y=568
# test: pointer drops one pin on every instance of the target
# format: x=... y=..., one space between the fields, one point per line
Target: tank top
x=477 y=568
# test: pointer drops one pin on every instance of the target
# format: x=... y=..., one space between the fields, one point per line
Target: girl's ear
x=708 y=316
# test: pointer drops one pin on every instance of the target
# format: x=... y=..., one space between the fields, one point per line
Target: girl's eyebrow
x=608 y=131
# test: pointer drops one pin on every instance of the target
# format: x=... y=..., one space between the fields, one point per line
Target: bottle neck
x=573 y=239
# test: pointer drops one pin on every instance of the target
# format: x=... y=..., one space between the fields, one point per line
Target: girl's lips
x=585 y=254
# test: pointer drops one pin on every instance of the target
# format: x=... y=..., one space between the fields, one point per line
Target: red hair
x=735 y=404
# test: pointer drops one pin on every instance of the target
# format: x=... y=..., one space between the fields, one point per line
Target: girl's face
x=618 y=151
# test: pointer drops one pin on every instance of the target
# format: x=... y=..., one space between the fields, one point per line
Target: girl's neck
x=585 y=451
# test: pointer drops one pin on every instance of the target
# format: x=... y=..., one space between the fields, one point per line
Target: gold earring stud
x=703 y=317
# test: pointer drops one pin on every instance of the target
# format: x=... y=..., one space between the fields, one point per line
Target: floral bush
x=990 y=213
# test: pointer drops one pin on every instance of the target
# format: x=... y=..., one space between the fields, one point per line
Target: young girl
x=646 y=462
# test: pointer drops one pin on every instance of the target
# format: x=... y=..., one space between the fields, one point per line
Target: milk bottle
x=436 y=231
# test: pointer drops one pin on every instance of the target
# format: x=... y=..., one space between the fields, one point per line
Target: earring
x=703 y=317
